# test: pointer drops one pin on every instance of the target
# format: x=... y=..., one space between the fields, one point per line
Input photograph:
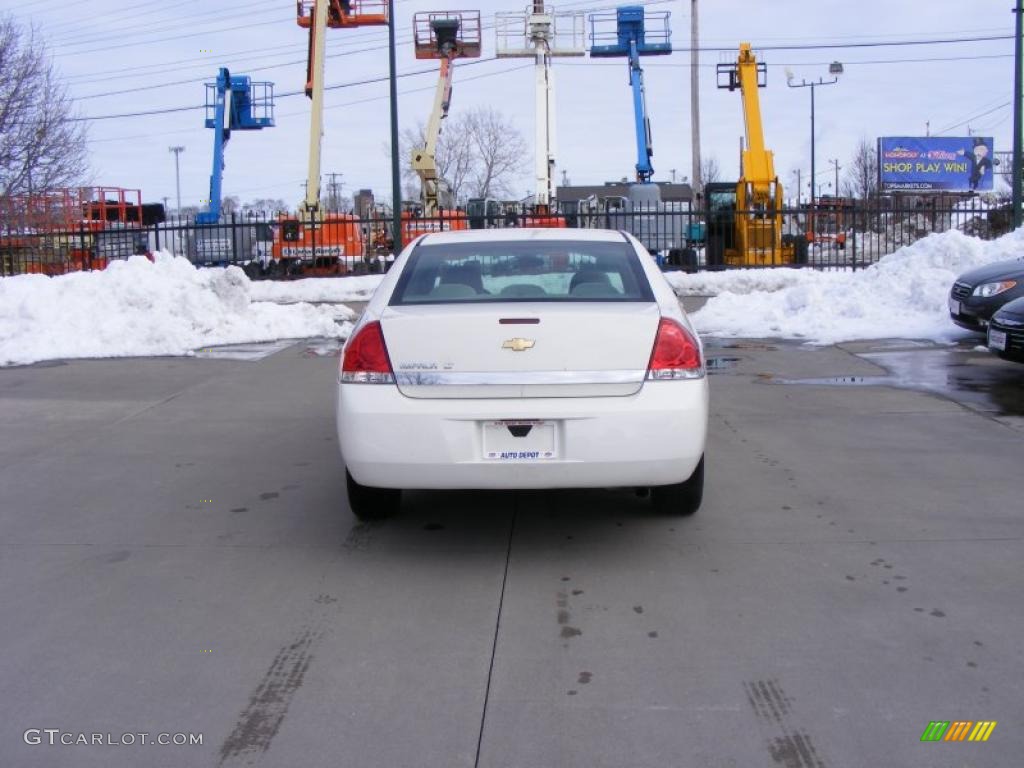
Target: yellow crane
x=744 y=218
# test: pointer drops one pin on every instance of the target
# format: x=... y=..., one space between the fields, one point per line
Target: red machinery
x=69 y=230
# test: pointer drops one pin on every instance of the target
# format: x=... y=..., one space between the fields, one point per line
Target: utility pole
x=673 y=172
x=396 y=178
x=835 y=162
x=177 y=173
x=335 y=187
x=1018 y=87
x=695 y=97
x=797 y=172
x=565 y=178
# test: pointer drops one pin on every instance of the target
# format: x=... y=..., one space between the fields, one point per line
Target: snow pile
x=904 y=295
x=137 y=307
x=317 y=289
x=979 y=203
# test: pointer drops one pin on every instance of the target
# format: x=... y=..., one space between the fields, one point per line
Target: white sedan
x=523 y=358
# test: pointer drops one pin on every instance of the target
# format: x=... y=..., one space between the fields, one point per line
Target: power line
x=711 y=65
x=872 y=44
x=973 y=117
x=288 y=94
x=77 y=37
x=176 y=37
x=326 y=106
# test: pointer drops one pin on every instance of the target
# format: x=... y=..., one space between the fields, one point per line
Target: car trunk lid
x=514 y=350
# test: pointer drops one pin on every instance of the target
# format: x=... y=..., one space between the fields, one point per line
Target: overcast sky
x=162 y=52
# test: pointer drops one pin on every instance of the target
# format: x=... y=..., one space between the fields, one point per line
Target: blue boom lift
x=631 y=38
x=632 y=32
x=233 y=103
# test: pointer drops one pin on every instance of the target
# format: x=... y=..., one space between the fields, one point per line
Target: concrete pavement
x=177 y=556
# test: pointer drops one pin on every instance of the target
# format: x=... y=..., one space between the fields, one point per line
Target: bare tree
x=499 y=150
x=40 y=146
x=709 y=170
x=862 y=175
x=479 y=153
x=230 y=205
x=265 y=206
x=453 y=156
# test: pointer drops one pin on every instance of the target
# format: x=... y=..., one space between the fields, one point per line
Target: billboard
x=923 y=163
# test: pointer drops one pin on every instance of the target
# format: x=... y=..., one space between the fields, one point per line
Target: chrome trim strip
x=515 y=378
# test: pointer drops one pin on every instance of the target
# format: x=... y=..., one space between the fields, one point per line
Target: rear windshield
x=535 y=270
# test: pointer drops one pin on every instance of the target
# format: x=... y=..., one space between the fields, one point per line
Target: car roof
x=515 y=234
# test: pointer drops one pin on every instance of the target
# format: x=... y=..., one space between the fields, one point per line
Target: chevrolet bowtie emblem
x=518 y=345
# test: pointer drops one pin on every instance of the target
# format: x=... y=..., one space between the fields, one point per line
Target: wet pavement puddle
x=978 y=380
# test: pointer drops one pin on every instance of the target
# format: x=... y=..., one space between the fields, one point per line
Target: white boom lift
x=540 y=33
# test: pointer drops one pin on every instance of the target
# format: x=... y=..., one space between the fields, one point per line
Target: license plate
x=954 y=307
x=519 y=440
x=996 y=340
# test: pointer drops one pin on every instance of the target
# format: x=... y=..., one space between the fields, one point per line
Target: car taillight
x=676 y=354
x=366 y=358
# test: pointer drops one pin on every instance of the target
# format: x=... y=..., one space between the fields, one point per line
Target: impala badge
x=518 y=345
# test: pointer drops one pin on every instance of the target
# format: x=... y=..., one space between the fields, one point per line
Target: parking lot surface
x=178 y=556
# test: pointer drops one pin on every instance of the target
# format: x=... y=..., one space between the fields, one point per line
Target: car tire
x=369 y=503
x=683 y=498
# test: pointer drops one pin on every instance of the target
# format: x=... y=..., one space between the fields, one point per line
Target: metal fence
x=830 y=236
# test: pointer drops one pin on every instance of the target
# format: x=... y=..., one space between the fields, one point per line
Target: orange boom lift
x=317 y=242
x=444 y=35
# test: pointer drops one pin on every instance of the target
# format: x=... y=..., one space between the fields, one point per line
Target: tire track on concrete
x=788 y=745
x=268 y=705
x=261 y=719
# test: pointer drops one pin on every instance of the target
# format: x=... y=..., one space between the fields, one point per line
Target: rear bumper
x=654 y=437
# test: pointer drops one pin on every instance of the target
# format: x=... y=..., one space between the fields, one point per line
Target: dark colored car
x=1006 y=331
x=976 y=295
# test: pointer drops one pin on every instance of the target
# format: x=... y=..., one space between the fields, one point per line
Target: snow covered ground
x=138 y=307
x=902 y=296
x=169 y=307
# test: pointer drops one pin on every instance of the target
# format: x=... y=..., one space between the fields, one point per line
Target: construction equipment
x=636 y=33
x=827 y=220
x=319 y=242
x=744 y=218
x=632 y=32
x=73 y=229
x=446 y=36
x=233 y=103
x=540 y=33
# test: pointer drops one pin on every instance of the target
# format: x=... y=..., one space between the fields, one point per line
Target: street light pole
x=177 y=174
x=835 y=69
x=396 y=178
